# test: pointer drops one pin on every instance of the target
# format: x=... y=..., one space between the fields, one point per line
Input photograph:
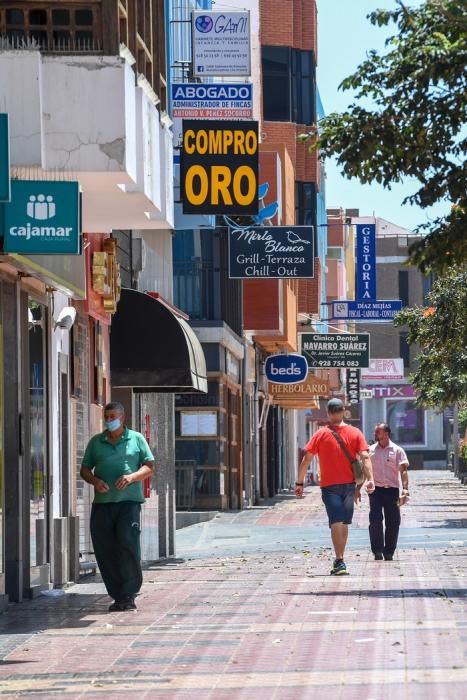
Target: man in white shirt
x=390 y=465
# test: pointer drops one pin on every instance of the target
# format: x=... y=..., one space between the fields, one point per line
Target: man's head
x=114 y=416
x=335 y=411
x=382 y=434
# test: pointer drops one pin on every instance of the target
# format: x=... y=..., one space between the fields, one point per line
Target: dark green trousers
x=115 y=532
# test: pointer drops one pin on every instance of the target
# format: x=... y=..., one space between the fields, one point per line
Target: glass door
x=38 y=467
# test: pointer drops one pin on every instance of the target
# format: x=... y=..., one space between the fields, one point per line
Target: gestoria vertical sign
x=221 y=43
x=219 y=167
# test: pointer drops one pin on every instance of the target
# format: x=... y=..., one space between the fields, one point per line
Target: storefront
x=155 y=354
x=39 y=523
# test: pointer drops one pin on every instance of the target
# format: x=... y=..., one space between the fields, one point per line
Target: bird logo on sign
x=293 y=237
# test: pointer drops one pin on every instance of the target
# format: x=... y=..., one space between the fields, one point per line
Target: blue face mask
x=112 y=425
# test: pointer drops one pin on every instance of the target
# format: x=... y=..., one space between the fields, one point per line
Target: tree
x=441 y=332
x=408 y=120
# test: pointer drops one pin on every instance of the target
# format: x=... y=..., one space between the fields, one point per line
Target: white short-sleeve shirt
x=386 y=463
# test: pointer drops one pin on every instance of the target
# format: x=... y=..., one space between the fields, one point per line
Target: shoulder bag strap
x=342 y=445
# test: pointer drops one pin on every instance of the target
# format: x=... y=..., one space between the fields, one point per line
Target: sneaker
x=388 y=557
x=116 y=606
x=379 y=556
x=129 y=603
x=339 y=568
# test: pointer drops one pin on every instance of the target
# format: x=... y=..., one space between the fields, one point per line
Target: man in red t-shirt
x=338 y=490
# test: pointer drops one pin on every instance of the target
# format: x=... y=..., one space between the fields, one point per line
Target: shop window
x=407 y=422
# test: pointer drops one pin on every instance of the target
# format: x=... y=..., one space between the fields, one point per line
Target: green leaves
x=413 y=127
x=440 y=330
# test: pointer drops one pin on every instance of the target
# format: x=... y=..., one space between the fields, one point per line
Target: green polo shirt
x=111 y=461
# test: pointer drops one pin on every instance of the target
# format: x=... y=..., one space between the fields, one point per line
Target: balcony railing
x=89 y=45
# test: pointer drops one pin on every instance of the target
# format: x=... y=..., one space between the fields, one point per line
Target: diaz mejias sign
x=42 y=217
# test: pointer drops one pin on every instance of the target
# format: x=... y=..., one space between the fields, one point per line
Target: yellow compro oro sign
x=219 y=167
x=304 y=395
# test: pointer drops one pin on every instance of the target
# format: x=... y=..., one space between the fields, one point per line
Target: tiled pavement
x=243 y=614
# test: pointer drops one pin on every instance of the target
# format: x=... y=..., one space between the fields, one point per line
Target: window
x=277 y=95
x=54 y=29
x=407 y=422
x=289 y=85
x=404 y=287
x=305 y=203
x=404 y=348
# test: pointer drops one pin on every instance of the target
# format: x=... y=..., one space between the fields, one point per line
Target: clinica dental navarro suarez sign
x=42 y=217
x=219 y=167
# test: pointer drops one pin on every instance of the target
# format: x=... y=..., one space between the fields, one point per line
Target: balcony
x=85 y=117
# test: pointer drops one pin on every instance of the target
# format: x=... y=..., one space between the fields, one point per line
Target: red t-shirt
x=335 y=468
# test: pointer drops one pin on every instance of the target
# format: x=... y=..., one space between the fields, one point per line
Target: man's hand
x=370 y=486
x=124 y=481
x=101 y=486
x=358 y=494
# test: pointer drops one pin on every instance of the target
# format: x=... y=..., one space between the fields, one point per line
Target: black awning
x=152 y=348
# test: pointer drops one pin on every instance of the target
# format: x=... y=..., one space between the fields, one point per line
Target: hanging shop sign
x=380 y=310
x=353 y=385
x=271 y=252
x=220 y=43
x=42 y=217
x=365 y=277
x=303 y=395
x=219 y=167
x=212 y=101
x=4 y=159
x=323 y=350
x=384 y=368
x=286 y=369
x=392 y=391
x=105 y=275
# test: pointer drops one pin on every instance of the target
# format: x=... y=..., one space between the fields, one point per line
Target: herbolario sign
x=271 y=252
x=335 y=349
x=219 y=167
x=42 y=217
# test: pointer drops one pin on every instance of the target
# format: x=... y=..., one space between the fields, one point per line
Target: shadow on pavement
x=389 y=593
x=69 y=610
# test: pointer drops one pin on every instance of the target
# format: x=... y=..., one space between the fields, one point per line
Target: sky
x=344 y=37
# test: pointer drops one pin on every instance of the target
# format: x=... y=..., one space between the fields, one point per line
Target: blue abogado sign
x=286 y=369
x=42 y=217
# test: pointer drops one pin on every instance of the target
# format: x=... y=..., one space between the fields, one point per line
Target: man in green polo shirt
x=116 y=462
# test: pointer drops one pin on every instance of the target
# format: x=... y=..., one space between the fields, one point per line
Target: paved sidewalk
x=243 y=614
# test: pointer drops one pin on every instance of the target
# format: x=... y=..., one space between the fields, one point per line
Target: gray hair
x=115 y=406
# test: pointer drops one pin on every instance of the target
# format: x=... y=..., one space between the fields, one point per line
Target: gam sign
x=219 y=167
